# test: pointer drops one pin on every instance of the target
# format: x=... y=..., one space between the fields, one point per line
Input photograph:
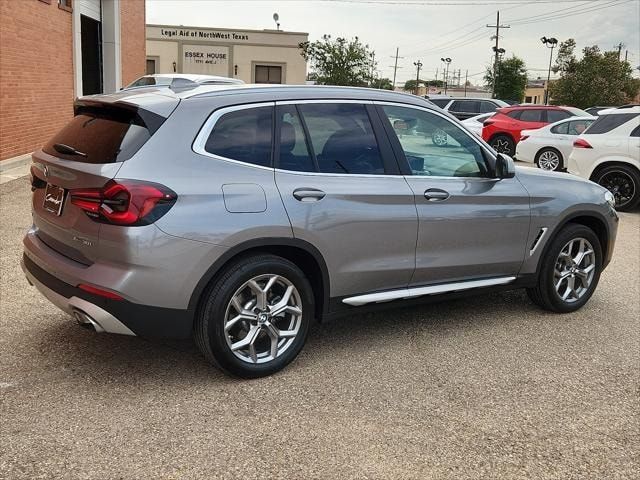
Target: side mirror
x=505 y=168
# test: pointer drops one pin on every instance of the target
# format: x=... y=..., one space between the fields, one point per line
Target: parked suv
x=502 y=130
x=608 y=153
x=238 y=214
x=463 y=108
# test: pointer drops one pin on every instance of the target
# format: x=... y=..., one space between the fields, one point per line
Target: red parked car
x=502 y=130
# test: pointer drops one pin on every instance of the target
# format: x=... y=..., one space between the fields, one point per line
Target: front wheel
x=255 y=319
x=569 y=271
x=549 y=159
x=623 y=182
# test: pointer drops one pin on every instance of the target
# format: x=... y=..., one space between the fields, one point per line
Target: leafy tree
x=511 y=79
x=598 y=78
x=410 y=85
x=339 y=61
x=382 y=83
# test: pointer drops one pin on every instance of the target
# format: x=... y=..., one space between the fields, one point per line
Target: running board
x=414 y=292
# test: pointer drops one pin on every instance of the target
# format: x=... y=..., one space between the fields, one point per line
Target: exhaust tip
x=86 y=321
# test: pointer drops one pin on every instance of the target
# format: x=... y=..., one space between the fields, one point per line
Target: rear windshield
x=103 y=135
x=606 y=123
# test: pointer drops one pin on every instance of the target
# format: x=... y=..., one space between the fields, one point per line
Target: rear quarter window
x=243 y=135
x=606 y=123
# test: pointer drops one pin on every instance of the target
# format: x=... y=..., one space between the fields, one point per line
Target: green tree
x=511 y=79
x=383 y=83
x=410 y=85
x=598 y=78
x=339 y=61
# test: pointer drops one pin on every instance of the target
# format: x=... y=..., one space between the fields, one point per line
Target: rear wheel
x=503 y=144
x=569 y=271
x=549 y=159
x=255 y=319
x=623 y=182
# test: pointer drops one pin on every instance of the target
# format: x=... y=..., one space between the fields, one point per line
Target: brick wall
x=36 y=74
x=133 y=39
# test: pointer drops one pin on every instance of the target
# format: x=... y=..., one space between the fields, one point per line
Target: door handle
x=308 y=194
x=435 y=195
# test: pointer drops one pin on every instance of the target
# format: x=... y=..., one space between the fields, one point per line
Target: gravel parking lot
x=488 y=387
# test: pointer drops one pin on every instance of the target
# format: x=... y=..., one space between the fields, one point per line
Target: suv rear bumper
x=108 y=315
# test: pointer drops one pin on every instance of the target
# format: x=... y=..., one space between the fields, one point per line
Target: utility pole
x=373 y=65
x=626 y=56
x=497 y=26
x=418 y=64
x=466 y=77
x=395 y=67
x=619 y=47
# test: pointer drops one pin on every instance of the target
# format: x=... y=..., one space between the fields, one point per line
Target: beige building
x=254 y=56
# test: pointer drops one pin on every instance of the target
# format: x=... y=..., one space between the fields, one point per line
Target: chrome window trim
x=464 y=130
x=205 y=131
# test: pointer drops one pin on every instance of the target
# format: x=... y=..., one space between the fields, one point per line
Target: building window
x=65 y=5
x=268 y=74
x=151 y=66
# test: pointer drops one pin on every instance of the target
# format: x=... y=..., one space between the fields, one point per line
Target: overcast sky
x=428 y=30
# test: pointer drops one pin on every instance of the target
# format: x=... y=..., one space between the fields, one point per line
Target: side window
x=243 y=135
x=487 y=107
x=576 y=127
x=606 y=123
x=466 y=106
x=554 y=116
x=294 y=152
x=636 y=132
x=342 y=139
x=435 y=146
x=531 y=115
x=515 y=114
x=561 y=129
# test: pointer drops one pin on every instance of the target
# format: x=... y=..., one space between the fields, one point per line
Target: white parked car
x=474 y=124
x=608 y=153
x=549 y=147
x=181 y=80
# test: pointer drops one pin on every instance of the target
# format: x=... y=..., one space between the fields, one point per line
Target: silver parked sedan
x=238 y=214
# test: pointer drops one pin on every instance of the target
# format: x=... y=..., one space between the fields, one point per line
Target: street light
x=446 y=75
x=550 y=43
x=418 y=65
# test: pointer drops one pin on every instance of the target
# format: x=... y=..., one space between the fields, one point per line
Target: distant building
x=254 y=56
x=534 y=92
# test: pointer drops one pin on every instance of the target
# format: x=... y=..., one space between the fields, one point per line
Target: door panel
x=332 y=171
x=470 y=226
x=479 y=230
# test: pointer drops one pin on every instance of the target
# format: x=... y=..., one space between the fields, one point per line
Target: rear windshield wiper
x=66 y=149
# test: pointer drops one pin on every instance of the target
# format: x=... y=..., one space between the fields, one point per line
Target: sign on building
x=205 y=59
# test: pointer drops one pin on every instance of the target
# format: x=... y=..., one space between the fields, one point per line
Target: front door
x=343 y=193
x=471 y=226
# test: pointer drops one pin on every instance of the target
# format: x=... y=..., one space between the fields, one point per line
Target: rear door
x=86 y=153
x=471 y=226
x=342 y=190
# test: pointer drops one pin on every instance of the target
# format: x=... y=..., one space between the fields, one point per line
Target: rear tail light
x=100 y=292
x=581 y=143
x=523 y=138
x=125 y=202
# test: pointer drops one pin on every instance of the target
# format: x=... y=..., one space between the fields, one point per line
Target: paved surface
x=489 y=387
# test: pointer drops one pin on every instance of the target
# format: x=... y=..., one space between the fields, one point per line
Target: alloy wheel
x=440 y=137
x=574 y=270
x=621 y=185
x=549 y=160
x=263 y=318
x=501 y=145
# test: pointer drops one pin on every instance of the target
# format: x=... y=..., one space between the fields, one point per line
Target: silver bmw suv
x=239 y=214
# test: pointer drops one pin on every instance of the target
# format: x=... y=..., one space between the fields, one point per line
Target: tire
x=503 y=143
x=549 y=159
x=545 y=294
x=252 y=323
x=623 y=181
